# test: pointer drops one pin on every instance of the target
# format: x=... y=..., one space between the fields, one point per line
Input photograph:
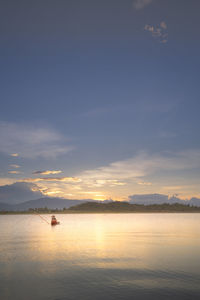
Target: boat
x=54 y=220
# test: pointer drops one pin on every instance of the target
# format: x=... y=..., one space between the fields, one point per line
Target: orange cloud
x=14 y=154
x=63 y=179
x=15 y=166
x=47 y=172
x=144 y=183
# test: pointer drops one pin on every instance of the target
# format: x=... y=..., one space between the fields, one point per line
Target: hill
x=46 y=202
x=5 y=207
x=117 y=206
x=91 y=206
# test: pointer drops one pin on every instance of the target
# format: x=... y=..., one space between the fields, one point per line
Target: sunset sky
x=100 y=98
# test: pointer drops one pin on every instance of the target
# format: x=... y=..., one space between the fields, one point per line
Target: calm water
x=100 y=256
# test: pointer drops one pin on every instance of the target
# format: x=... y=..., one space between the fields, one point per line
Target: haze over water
x=100 y=256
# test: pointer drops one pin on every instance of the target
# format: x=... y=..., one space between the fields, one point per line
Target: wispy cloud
x=14 y=172
x=14 y=166
x=109 y=182
x=140 y=4
x=158 y=32
x=14 y=154
x=30 y=142
x=50 y=193
x=47 y=172
x=64 y=179
x=144 y=183
x=7 y=180
x=142 y=165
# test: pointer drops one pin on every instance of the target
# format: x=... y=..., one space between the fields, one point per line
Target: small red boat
x=54 y=221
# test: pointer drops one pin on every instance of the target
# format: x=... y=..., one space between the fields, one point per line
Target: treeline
x=118 y=206
x=111 y=207
x=40 y=210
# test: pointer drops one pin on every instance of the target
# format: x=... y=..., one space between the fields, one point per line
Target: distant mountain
x=59 y=203
x=148 y=199
x=4 y=206
x=19 y=192
x=51 y=203
x=194 y=201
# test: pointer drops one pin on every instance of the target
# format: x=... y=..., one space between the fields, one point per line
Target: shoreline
x=100 y=212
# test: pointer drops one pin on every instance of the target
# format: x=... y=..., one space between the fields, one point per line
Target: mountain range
x=148 y=199
x=59 y=203
x=21 y=196
x=51 y=203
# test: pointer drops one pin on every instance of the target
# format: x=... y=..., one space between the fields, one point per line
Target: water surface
x=100 y=256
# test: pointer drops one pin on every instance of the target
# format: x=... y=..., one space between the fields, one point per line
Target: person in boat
x=53 y=220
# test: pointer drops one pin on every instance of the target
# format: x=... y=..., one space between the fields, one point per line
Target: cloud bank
x=22 y=191
x=31 y=142
x=141 y=173
x=147 y=199
x=144 y=164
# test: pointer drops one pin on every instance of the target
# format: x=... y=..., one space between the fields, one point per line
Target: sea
x=100 y=256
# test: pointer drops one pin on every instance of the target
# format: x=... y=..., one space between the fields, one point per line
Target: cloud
x=47 y=172
x=185 y=190
x=64 y=179
x=95 y=195
x=14 y=154
x=110 y=182
x=50 y=193
x=141 y=165
x=140 y=4
x=90 y=192
x=31 y=142
x=142 y=172
x=163 y=25
x=7 y=181
x=154 y=199
x=144 y=183
x=14 y=172
x=14 y=166
x=147 y=199
x=19 y=192
x=158 y=32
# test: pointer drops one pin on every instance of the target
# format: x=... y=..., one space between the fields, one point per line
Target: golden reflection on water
x=132 y=251
x=112 y=241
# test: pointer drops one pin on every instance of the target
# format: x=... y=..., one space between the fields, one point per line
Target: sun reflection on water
x=124 y=250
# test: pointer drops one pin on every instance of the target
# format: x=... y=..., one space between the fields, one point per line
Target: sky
x=100 y=99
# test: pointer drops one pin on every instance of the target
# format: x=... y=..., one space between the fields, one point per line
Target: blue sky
x=105 y=93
